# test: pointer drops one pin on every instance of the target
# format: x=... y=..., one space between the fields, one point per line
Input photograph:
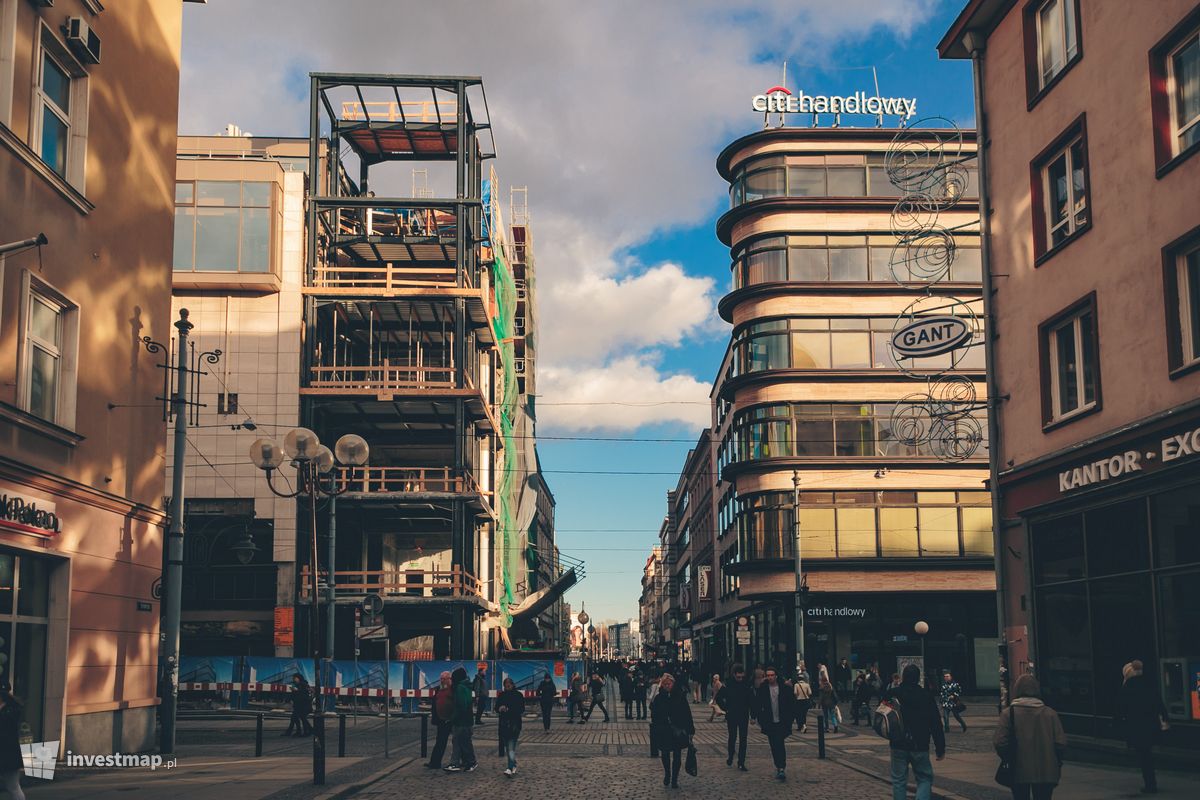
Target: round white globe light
x=324 y=460
x=921 y=628
x=266 y=454
x=301 y=444
x=352 y=450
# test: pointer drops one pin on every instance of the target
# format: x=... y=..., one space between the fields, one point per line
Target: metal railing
x=381 y=379
x=401 y=480
x=405 y=111
x=386 y=277
x=453 y=582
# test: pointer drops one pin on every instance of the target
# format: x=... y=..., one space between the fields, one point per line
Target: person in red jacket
x=442 y=713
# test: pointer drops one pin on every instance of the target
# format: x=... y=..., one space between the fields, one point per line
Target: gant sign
x=930 y=336
x=780 y=100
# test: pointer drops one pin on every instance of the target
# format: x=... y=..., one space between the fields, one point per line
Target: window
x=1057 y=38
x=1175 y=93
x=223 y=226
x=1060 y=191
x=227 y=403
x=8 y=46
x=59 y=125
x=49 y=342
x=1181 y=281
x=1070 y=363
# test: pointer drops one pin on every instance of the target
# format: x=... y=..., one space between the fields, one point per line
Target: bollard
x=341 y=735
x=821 y=735
x=424 y=736
x=318 y=732
x=258 y=733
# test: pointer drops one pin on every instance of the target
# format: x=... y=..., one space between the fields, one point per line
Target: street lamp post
x=314 y=465
x=799 y=599
x=922 y=628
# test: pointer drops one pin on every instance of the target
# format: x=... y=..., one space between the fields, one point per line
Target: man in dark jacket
x=301 y=707
x=626 y=688
x=639 y=694
x=775 y=704
x=922 y=720
x=441 y=709
x=1141 y=711
x=735 y=698
x=547 y=697
x=841 y=677
x=597 y=687
x=480 y=688
x=464 y=748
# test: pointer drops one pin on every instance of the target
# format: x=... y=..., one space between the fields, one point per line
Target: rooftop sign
x=779 y=100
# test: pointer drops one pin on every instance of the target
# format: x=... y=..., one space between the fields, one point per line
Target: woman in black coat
x=510 y=705
x=301 y=707
x=1143 y=716
x=671 y=727
x=11 y=762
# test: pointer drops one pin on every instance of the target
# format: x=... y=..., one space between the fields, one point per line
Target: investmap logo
x=40 y=759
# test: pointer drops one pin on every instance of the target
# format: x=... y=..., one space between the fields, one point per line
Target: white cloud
x=611 y=113
x=624 y=394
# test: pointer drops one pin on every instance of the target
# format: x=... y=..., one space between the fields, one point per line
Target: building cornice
x=65 y=488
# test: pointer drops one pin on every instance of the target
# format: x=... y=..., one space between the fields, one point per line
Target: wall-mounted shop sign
x=704 y=581
x=780 y=100
x=931 y=336
x=1148 y=457
x=28 y=515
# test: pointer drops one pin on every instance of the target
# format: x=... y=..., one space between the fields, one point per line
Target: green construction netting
x=510 y=562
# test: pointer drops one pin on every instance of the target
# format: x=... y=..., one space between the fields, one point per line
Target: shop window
x=59 y=125
x=1070 y=363
x=1122 y=626
x=1058 y=549
x=1179 y=607
x=1181 y=281
x=1175 y=93
x=223 y=226
x=1064 y=651
x=1052 y=43
x=1061 y=191
x=48 y=354
x=1117 y=538
x=1175 y=522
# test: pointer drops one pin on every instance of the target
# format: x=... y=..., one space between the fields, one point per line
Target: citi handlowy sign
x=780 y=100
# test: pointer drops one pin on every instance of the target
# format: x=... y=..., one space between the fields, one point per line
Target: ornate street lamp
x=314 y=463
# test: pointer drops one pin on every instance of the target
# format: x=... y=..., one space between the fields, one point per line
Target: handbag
x=1004 y=772
x=959 y=706
x=690 y=765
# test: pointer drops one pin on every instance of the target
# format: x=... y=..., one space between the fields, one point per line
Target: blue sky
x=612 y=114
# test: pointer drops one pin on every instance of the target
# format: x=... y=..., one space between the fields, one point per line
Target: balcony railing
x=404 y=480
x=407 y=111
x=454 y=582
x=381 y=380
x=386 y=278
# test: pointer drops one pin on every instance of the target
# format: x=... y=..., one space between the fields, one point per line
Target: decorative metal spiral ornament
x=911 y=421
x=956 y=439
x=953 y=397
x=923 y=258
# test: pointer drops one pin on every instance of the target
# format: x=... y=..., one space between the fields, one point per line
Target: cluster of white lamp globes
x=303 y=447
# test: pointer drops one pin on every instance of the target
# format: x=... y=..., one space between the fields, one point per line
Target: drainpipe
x=975 y=43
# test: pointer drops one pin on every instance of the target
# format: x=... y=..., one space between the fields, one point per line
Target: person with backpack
x=441 y=711
x=576 y=695
x=547 y=698
x=917 y=720
x=462 y=720
x=828 y=700
x=1030 y=738
x=802 y=692
x=735 y=699
x=510 y=705
x=951 y=695
x=776 y=710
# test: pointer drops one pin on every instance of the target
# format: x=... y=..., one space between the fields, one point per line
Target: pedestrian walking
x=640 y=687
x=714 y=686
x=802 y=692
x=301 y=708
x=480 y=688
x=951 y=694
x=735 y=699
x=802 y=673
x=1144 y=719
x=597 y=687
x=776 y=710
x=671 y=726
x=1030 y=738
x=11 y=761
x=441 y=711
x=842 y=675
x=860 y=704
x=576 y=696
x=828 y=700
x=463 y=759
x=922 y=721
x=510 y=705
x=625 y=686
x=547 y=698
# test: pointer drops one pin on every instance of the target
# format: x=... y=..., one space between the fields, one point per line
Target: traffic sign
x=371 y=632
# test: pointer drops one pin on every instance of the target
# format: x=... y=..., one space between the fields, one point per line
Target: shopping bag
x=690 y=766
